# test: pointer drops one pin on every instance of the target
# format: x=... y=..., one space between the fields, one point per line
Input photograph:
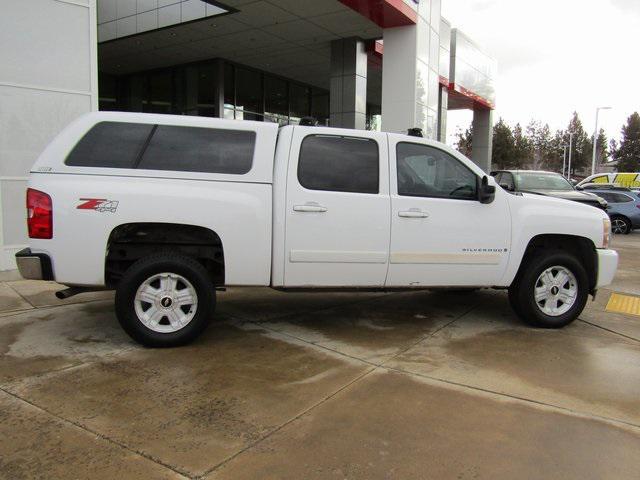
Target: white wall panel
x=48 y=77
x=41 y=40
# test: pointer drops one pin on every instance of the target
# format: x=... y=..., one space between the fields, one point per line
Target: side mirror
x=507 y=187
x=579 y=188
x=486 y=192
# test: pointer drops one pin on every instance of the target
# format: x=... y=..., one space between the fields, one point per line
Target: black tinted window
x=615 y=197
x=110 y=144
x=195 y=149
x=424 y=171
x=340 y=164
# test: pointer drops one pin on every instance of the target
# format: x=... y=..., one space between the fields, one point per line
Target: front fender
x=533 y=216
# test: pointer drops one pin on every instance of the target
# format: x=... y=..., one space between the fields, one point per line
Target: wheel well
x=131 y=241
x=581 y=247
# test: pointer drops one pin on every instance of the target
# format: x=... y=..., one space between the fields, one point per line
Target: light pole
x=595 y=140
x=569 y=166
x=564 y=159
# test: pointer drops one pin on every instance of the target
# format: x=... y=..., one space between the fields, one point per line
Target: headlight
x=606 y=232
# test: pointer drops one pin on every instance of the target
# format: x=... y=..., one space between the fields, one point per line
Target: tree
x=541 y=146
x=464 y=141
x=580 y=153
x=602 y=153
x=613 y=148
x=628 y=154
x=503 y=150
x=557 y=158
x=522 y=147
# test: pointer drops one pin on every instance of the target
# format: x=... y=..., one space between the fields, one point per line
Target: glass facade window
x=207 y=80
x=193 y=90
x=276 y=100
x=249 y=95
x=108 y=92
x=374 y=117
x=300 y=102
x=160 y=98
x=229 y=91
x=320 y=106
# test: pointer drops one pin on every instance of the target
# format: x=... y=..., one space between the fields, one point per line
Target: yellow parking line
x=623 y=304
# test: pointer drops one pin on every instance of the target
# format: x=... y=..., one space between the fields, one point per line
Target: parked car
x=629 y=179
x=545 y=183
x=624 y=208
x=165 y=209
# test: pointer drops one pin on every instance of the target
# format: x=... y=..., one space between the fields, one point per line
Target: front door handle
x=310 y=207
x=413 y=213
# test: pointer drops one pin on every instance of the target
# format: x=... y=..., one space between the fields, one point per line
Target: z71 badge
x=98 y=204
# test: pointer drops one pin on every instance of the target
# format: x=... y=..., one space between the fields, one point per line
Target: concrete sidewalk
x=359 y=386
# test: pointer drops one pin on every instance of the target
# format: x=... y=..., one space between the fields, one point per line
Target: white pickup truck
x=166 y=209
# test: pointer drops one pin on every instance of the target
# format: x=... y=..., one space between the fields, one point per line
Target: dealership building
x=385 y=65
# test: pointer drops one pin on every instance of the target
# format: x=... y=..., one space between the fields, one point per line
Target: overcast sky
x=556 y=56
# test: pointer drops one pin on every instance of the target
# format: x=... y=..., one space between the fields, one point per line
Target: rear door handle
x=413 y=213
x=309 y=207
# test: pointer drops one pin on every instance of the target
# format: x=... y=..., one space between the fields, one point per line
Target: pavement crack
x=464 y=386
x=636 y=340
x=427 y=336
x=288 y=422
x=106 y=438
x=19 y=294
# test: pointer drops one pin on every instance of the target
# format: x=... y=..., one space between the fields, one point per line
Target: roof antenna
x=415 y=132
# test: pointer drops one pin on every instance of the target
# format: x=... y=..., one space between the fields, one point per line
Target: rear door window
x=110 y=145
x=197 y=149
x=621 y=198
x=339 y=164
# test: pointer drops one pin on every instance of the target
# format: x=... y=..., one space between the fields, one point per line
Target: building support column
x=219 y=88
x=348 y=94
x=410 y=77
x=443 y=105
x=482 y=141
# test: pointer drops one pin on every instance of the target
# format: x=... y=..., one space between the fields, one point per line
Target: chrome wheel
x=618 y=226
x=166 y=302
x=556 y=291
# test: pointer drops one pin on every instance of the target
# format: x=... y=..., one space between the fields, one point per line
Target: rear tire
x=551 y=291
x=165 y=300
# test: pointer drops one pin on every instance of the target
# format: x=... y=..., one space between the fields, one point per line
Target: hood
x=575 y=196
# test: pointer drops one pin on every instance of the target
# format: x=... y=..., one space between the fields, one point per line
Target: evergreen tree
x=522 y=147
x=628 y=154
x=580 y=153
x=464 y=141
x=557 y=154
x=602 y=153
x=503 y=150
x=541 y=146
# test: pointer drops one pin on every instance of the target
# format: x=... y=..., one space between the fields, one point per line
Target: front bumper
x=34 y=266
x=607 y=266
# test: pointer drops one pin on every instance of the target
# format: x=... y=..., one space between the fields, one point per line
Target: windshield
x=541 y=181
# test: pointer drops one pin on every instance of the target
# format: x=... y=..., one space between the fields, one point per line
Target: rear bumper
x=607 y=266
x=34 y=266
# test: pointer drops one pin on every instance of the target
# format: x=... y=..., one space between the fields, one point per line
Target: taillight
x=39 y=214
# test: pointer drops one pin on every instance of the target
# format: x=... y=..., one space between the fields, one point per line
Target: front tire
x=165 y=300
x=551 y=291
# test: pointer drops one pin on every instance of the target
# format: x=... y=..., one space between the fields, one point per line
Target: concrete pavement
x=342 y=385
